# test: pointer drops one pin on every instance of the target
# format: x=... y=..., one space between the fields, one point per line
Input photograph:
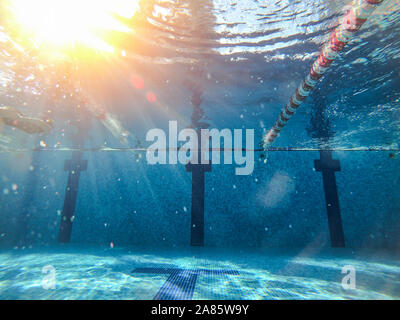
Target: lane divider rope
x=352 y=21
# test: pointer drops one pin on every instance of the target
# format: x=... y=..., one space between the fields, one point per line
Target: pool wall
x=129 y=203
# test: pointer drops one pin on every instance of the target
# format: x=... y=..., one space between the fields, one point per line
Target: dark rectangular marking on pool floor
x=181 y=283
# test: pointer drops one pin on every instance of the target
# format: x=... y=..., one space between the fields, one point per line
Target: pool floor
x=197 y=273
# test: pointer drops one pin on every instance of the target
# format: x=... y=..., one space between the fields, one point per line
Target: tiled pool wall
x=124 y=201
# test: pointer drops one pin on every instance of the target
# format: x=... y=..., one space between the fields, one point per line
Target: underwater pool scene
x=199 y=150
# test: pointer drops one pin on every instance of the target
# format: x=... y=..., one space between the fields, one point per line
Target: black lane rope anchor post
x=328 y=166
x=198 y=169
x=74 y=165
x=79 y=119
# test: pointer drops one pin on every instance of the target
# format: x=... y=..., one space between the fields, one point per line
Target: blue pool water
x=83 y=201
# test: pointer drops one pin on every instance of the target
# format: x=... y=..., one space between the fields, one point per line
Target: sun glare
x=65 y=23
